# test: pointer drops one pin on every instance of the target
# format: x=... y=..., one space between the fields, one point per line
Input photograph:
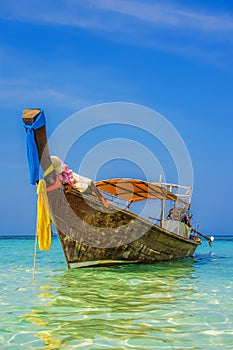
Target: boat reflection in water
x=115 y=306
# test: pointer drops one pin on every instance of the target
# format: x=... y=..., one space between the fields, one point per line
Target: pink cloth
x=67 y=175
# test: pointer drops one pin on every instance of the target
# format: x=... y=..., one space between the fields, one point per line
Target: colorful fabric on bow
x=32 y=152
x=43 y=218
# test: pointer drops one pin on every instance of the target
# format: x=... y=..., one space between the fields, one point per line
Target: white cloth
x=177 y=227
x=81 y=182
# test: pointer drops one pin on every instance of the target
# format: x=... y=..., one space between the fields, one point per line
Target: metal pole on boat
x=162 y=212
x=162 y=204
x=209 y=239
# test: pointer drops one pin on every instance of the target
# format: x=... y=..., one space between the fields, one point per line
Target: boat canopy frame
x=133 y=190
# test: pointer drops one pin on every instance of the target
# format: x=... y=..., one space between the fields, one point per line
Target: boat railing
x=180 y=191
x=115 y=201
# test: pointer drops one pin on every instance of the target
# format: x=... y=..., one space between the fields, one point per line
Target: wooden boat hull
x=93 y=235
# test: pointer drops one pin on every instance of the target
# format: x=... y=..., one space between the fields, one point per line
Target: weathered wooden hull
x=93 y=235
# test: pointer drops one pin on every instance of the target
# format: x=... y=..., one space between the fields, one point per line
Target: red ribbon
x=54 y=186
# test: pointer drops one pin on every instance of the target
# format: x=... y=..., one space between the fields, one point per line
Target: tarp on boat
x=132 y=190
x=177 y=227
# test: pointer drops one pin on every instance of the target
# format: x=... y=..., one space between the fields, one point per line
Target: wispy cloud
x=29 y=96
x=169 y=14
x=90 y=13
x=161 y=25
x=72 y=89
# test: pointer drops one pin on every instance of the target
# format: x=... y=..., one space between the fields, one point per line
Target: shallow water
x=176 y=305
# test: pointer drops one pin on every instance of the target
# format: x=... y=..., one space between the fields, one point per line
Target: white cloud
x=164 y=26
x=102 y=13
x=169 y=14
x=25 y=95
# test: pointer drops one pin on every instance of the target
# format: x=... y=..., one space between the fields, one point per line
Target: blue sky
x=172 y=56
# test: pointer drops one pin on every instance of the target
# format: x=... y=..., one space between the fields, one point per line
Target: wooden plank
x=30 y=115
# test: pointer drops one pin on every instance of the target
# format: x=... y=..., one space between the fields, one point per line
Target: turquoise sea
x=185 y=304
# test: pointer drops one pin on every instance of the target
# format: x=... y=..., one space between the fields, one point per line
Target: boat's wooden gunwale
x=135 y=216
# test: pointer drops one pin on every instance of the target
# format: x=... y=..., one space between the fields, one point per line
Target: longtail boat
x=93 y=229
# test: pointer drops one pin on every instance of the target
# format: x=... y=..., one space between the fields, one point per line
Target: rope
x=34 y=259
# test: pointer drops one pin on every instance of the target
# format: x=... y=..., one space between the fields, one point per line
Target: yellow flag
x=43 y=218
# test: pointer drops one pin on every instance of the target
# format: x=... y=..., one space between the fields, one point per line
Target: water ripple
x=177 y=305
